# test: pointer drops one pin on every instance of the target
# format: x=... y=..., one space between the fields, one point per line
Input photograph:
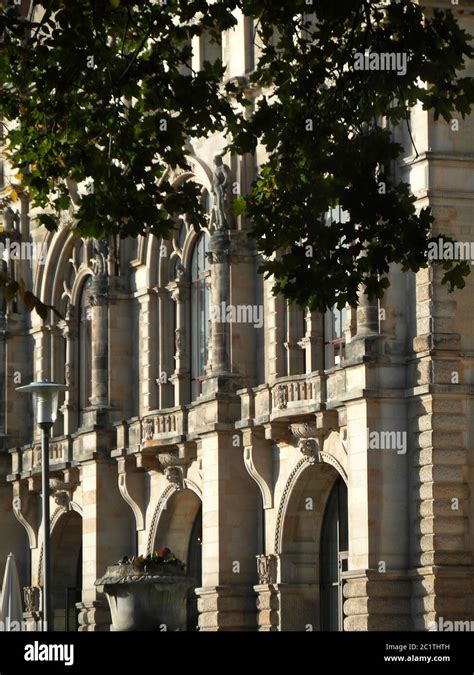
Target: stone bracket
x=277 y=431
x=25 y=510
x=258 y=461
x=131 y=487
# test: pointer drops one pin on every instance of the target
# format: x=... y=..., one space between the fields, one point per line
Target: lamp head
x=46 y=399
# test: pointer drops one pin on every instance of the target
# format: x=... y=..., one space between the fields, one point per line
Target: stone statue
x=221 y=188
x=180 y=340
x=180 y=272
x=99 y=260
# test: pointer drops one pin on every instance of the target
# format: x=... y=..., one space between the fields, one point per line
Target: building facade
x=313 y=471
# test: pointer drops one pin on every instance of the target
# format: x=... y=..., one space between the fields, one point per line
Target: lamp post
x=46 y=396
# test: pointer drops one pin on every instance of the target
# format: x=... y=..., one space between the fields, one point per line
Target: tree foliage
x=103 y=92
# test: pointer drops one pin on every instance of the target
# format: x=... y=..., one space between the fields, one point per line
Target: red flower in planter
x=164 y=552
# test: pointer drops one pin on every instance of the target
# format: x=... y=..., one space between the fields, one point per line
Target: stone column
x=99 y=301
x=181 y=376
x=367 y=316
x=312 y=342
x=219 y=249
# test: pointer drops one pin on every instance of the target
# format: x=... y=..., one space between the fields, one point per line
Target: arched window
x=85 y=349
x=200 y=304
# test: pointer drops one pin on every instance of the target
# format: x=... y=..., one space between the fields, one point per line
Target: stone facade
x=175 y=418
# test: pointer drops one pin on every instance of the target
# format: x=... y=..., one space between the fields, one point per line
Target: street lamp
x=46 y=395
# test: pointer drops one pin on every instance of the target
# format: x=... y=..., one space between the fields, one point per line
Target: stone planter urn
x=152 y=600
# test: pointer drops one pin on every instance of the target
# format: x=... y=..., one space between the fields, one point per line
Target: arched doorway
x=180 y=530
x=66 y=570
x=310 y=546
x=333 y=556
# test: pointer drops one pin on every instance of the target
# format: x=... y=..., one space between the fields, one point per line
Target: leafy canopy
x=104 y=92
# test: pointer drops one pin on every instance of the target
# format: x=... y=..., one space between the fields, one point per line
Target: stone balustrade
x=287 y=396
x=28 y=458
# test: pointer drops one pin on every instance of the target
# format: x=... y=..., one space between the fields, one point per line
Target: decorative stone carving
x=61 y=492
x=180 y=272
x=281 y=396
x=180 y=340
x=173 y=467
x=267 y=568
x=221 y=190
x=174 y=475
x=148 y=429
x=99 y=260
x=98 y=299
x=218 y=257
x=309 y=438
x=31 y=597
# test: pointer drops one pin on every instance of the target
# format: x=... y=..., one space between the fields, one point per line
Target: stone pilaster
x=148 y=399
x=226 y=608
x=376 y=601
x=108 y=535
x=181 y=376
x=230 y=499
x=268 y=607
x=165 y=350
x=275 y=307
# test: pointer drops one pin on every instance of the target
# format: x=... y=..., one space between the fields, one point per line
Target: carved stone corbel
x=61 y=491
x=258 y=461
x=25 y=510
x=309 y=439
x=174 y=463
x=131 y=486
